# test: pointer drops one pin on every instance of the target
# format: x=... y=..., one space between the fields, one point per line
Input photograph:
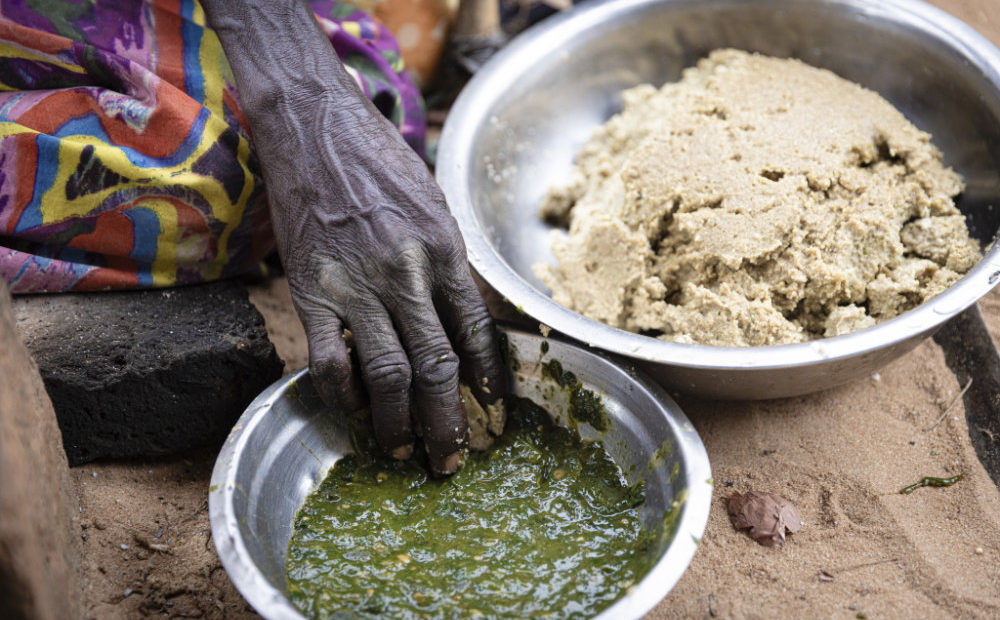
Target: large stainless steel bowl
x=516 y=127
x=286 y=441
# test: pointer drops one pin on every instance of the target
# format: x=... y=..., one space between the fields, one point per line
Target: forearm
x=308 y=117
x=280 y=57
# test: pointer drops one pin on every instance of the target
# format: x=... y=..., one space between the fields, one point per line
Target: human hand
x=369 y=245
x=365 y=237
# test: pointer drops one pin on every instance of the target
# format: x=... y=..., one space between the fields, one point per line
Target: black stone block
x=146 y=373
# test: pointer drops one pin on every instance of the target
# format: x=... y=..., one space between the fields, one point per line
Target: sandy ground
x=147 y=546
x=841 y=456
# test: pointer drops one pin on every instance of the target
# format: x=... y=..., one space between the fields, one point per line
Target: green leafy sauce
x=542 y=525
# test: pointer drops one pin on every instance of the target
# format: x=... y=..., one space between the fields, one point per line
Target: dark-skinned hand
x=365 y=237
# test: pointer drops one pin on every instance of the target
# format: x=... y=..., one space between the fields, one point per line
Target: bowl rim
x=251 y=583
x=272 y=603
x=476 y=99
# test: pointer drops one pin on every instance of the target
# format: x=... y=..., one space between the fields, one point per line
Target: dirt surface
x=147 y=545
x=842 y=456
x=990 y=307
x=283 y=326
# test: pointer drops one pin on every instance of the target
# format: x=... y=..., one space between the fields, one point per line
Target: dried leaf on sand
x=766 y=515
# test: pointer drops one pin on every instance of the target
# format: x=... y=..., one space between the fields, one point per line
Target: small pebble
x=127 y=593
x=979 y=550
x=124 y=547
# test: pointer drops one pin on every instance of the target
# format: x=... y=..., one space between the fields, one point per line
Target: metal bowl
x=518 y=124
x=286 y=441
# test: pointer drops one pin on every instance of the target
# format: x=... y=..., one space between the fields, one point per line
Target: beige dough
x=484 y=424
x=757 y=201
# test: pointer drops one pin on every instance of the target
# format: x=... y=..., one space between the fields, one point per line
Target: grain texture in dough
x=757 y=201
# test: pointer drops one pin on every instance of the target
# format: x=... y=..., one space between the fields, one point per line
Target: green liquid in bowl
x=542 y=525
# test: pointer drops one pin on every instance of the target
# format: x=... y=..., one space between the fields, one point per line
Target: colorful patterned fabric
x=420 y=27
x=125 y=161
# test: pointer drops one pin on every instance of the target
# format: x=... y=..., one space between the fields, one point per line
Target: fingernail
x=453 y=462
x=401 y=453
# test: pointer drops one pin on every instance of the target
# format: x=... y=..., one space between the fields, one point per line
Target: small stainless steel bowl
x=518 y=124
x=286 y=441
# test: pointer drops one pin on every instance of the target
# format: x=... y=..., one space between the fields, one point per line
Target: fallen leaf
x=766 y=515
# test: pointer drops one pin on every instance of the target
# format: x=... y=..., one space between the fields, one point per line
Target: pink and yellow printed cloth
x=125 y=161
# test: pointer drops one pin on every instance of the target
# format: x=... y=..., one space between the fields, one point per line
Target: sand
x=841 y=456
x=147 y=545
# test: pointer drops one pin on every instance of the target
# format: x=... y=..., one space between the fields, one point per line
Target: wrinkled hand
x=369 y=246
x=365 y=237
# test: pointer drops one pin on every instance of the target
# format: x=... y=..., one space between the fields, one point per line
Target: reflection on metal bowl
x=516 y=127
x=286 y=441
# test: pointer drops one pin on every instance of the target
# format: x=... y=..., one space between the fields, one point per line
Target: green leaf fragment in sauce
x=584 y=405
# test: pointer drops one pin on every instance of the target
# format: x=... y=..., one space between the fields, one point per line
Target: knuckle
x=435 y=231
x=404 y=262
x=447 y=243
x=388 y=372
x=438 y=373
x=476 y=334
x=407 y=256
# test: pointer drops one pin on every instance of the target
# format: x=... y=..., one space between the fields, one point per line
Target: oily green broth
x=542 y=525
